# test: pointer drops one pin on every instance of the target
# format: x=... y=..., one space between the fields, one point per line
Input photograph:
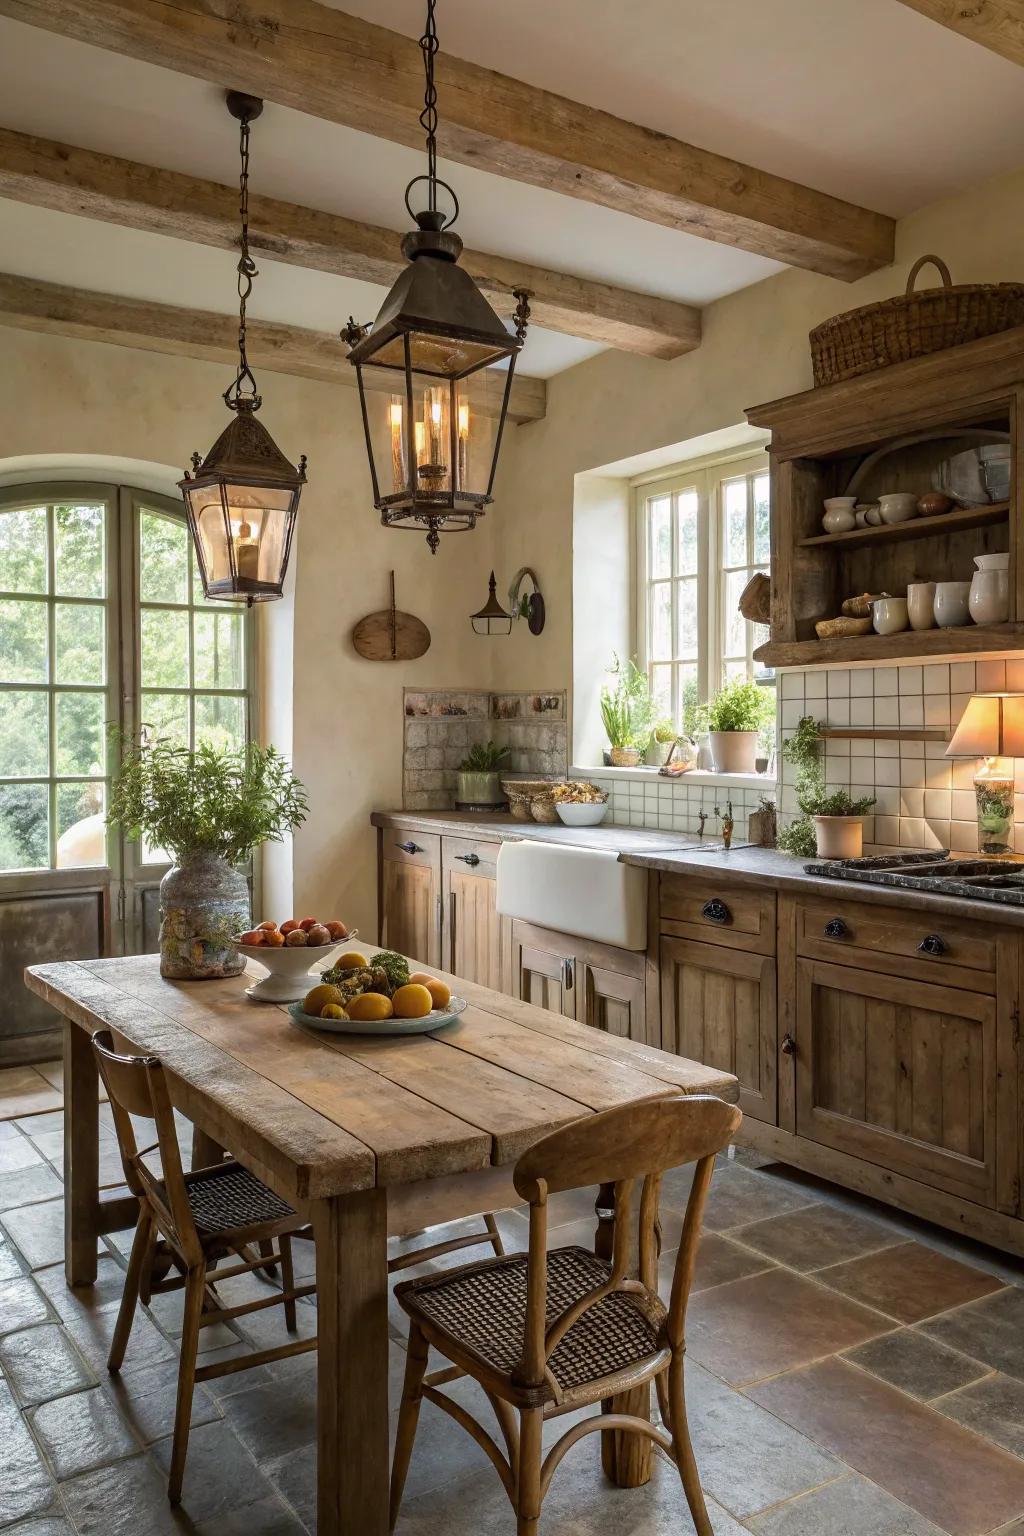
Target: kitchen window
x=701 y=534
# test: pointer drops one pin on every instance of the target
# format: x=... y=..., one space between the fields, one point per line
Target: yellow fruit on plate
x=370 y=1007
x=412 y=1001
x=351 y=960
x=439 y=990
x=333 y=1011
x=316 y=1001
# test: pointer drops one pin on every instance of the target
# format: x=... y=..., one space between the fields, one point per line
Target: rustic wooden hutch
x=820 y=438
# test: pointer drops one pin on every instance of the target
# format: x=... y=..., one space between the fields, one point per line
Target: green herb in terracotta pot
x=209 y=811
x=831 y=823
x=479 y=778
x=627 y=711
x=735 y=716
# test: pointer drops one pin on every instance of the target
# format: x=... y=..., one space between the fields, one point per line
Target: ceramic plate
x=437 y=1018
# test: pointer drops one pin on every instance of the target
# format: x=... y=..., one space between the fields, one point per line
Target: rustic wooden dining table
x=367 y=1136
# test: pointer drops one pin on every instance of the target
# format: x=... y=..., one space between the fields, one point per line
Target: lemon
x=351 y=960
x=333 y=1011
x=316 y=1001
x=371 y=1007
x=412 y=1001
x=439 y=990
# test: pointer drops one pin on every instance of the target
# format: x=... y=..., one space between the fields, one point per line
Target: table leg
x=205 y=1151
x=81 y=1156
x=352 y=1364
x=626 y=1458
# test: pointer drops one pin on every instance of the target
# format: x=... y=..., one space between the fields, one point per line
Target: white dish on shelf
x=289 y=969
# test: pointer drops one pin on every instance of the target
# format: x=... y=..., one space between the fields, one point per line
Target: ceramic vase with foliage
x=659 y=748
x=210 y=811
x=626 y=712
x=831 y=822
x=735 y=717
x=479 y=778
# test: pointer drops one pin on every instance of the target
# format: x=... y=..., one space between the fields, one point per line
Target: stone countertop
x=503 y=829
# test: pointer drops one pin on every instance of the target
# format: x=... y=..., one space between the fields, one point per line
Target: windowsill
x=696 y=776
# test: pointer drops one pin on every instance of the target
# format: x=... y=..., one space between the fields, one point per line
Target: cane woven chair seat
x=229 y=1198
x=481 y=1309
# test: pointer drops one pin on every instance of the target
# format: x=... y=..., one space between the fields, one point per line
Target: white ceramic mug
x=921 y=604
x=889 y=615
x=989 y=600
x=952 y=600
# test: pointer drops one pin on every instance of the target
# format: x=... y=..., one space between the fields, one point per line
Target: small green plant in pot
x=734 y=718
x=209 y=810
x=663 y=739
x=479 y=778
x=627 y=711
x=831 y=822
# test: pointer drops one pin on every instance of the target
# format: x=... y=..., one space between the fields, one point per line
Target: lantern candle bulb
x=397 y=453
x=463 y=420
x=247 y=552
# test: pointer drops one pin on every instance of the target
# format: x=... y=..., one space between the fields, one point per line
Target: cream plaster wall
x=754 y=349
x=340 y=716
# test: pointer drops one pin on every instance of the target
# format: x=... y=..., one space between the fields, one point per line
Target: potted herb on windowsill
x=209 y=810
x=626 y=710
x=479 y=780
x=663 y=738
x=735 y=716
x=831 y=823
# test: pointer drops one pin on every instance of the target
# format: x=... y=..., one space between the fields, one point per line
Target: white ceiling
x=862 y=98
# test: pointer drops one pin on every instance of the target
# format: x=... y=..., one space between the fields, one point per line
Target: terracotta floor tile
x=851 y=1506
x=991 y=1330
x=815 y=1237
x=945 y=1473
x=720 y=1261
x=909 y=1282
x=773 y=1322
x=916 y=1364
x=993 y=1408
x=24 y=1091
x=739 y=1196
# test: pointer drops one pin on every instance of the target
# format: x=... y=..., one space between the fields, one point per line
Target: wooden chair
x=545 y=1333
x=190 y=1221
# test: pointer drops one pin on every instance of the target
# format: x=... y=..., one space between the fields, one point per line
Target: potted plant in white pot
x=831 y=823
x=209 y=810
x=479 y=778
x=734 y=717
x=627 y=711
x=663 y=738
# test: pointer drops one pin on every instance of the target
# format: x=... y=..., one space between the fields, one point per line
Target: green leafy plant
x=664 y=730
x=803 y=751
x=222 y=802
x=627 y=709
x=741 y=706
x=695 y=714
x=484 y=757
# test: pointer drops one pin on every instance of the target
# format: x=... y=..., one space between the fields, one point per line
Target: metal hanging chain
x=428 y=119
x=236 y=395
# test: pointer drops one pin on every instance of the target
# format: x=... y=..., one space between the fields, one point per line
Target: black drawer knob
x=410 y=847
x=716 y=911
x=835 y=928
x=932 y=944
x=788 y=1045
x=472 y=859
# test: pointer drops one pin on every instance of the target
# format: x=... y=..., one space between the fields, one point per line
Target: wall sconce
x=493 y=619
x=992 y=727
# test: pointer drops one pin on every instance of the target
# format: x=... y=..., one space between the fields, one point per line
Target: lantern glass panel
x=255 y=521
x=445 y=462
x=448 y=356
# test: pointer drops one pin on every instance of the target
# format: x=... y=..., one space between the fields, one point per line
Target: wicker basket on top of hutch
x=944 y=403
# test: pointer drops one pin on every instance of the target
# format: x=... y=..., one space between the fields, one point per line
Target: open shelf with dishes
x=948 y=424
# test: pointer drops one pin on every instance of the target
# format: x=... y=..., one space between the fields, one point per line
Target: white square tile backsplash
x=925 y=800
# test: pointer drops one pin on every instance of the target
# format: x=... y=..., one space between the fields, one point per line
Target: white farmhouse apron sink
x=582 y=891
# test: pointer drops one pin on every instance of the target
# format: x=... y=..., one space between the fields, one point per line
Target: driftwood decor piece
x=390 y=635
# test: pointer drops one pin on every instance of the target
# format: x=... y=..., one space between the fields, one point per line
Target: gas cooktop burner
x=999 y=880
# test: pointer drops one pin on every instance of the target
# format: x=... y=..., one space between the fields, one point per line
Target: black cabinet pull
x=410 y=847
x=716 y=911
x=932 y=944
x=835 y=928
x=472 y=859
x=788 y=1045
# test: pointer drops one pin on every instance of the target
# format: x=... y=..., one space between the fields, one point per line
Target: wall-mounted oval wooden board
x=391 y=635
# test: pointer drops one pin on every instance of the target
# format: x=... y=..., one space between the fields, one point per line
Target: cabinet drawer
x=919 y=946
x=715 y=912
x=410 y=847
x=472 y=856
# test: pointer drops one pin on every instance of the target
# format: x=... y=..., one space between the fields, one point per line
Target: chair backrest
x=136 y=1086
x=617 y=1148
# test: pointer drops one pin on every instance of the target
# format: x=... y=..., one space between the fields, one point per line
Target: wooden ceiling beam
x=995 y=24
x=306 y=55
x=34 y=306
x=98 y=186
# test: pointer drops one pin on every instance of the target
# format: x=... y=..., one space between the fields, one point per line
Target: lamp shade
x=992 y=725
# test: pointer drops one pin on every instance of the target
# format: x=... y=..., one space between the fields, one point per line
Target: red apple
x=307 y=923
x=337 y=930
x=290 y=925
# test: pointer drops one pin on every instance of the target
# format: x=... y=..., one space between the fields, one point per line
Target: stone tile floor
x=852 y=1372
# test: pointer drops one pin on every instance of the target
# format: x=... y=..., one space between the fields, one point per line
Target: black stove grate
x=1000 y=880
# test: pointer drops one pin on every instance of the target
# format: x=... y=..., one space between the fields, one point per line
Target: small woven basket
x=913 y=325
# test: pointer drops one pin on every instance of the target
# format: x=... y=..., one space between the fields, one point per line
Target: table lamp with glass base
x=992 y=728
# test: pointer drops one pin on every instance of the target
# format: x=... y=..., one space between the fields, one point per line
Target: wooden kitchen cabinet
x=718 y=1005
x=471 y=927
x=409 y=894
x=596 y=984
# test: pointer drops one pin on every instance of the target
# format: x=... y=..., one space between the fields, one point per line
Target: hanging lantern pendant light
x=433 y=453
x=241 y=500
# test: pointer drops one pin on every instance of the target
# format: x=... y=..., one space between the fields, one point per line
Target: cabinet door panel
x=410 y=911
x=543 y=969
x=898 y=1073
x=611 y=1001
x=472 y=947
x=718 y=1007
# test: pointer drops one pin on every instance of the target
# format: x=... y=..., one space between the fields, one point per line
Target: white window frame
x=707 y=477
